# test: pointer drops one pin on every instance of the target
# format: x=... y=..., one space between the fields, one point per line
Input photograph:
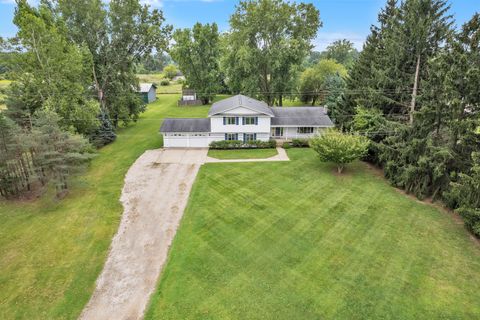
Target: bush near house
x=238 y=144
x=164 y=82
x=300 y=143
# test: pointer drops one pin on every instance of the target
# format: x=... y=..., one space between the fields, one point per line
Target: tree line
x=414 y=93
x=73 y=71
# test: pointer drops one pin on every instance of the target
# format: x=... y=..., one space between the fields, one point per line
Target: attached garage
x=185 y=140
x=186 y=133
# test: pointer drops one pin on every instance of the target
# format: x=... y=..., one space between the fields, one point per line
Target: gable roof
x=186 y=125
x=300 y=116
x=237 y=102
x=145 y=87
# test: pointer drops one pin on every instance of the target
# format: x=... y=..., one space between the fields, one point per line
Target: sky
x=342 y=19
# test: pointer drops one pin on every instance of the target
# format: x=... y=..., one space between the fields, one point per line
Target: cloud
x=153 y=3
x=325 y=38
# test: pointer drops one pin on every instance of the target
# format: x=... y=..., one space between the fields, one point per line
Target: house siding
x=290 y=133
x=152 y=94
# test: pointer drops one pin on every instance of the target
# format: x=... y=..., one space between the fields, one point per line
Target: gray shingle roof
x=300 y=116
x=239 y=101
x=185 y=125
x=145 y=87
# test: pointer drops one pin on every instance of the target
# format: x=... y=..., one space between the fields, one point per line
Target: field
x=51 y=252
x=156 y=78
x=294 y=240
x=242 y=154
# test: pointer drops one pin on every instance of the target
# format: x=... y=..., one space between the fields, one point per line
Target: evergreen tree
x=394 y=62
x=105 y=133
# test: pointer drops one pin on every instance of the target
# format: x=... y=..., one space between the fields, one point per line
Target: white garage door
x=186 y=141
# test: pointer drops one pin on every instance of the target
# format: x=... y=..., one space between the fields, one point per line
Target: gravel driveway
x=154 y=197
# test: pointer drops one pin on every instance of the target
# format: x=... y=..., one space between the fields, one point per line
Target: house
x=243 y=118
x=148 y=92
x=189 y=98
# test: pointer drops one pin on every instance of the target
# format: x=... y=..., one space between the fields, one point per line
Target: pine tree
x=105 y=133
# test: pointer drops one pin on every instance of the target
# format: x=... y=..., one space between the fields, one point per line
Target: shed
x=148 y=92
x=189 y=98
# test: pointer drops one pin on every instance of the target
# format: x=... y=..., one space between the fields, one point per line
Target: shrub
x=300 y=143
x=286 y=145
x=170 y=71
x=339 y=148
x=164 y=82
x=237 y=144
x=471 y=218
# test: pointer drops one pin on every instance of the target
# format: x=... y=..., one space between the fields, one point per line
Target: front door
x=278 y=132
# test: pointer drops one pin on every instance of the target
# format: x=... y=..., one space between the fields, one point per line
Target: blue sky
x=350 y=19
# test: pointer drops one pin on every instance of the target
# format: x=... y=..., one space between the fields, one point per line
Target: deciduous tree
x=339 y=148
x=268 y=41
x=118 y=36
x=197 y=52
x=313 y=82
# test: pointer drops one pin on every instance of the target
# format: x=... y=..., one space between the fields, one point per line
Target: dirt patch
x=154 y=197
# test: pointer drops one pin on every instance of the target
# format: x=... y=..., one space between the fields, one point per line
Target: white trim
x=257 y=112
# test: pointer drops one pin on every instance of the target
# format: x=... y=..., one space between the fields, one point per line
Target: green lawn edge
x=242 y=154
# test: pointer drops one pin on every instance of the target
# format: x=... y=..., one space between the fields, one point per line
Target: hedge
x=238 y=144
x=300 y=143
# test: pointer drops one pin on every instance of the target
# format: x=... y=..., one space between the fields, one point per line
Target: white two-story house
x=244 y=118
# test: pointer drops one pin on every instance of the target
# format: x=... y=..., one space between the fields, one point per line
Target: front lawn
x=242 y=153
x=51 y=251
x=293 y=240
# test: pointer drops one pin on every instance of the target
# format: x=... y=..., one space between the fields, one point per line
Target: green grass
x=243 y=153
x=51 y=251
x=293 y=240
x=174 y=87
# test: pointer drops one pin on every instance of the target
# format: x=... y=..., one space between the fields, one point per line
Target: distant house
x=243 y=118
x=189 y=98
x=148 y=92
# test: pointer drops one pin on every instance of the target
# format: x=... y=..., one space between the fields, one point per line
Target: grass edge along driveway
x=294 y=241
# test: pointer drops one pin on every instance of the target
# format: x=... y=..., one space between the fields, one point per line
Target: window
x=230 y=120
x=249 y=137
x=250 y=120
x=305 y=130
x=231 y=136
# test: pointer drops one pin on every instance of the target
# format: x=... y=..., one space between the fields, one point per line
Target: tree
x=312 y=59
x=197 y=53
x=105 y=133
x=341 y=51
x=117 y=36
x=313 y=80
x=45 y=153
x=394 y=62
x=335 y=92
x=268 y=41
x=170 y=71
x=154 y=63
x=425 y=157
x=339 y=148
x=49 y=72
x=465 y=193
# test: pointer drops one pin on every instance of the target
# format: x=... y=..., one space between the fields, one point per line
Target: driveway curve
x=154 y=197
